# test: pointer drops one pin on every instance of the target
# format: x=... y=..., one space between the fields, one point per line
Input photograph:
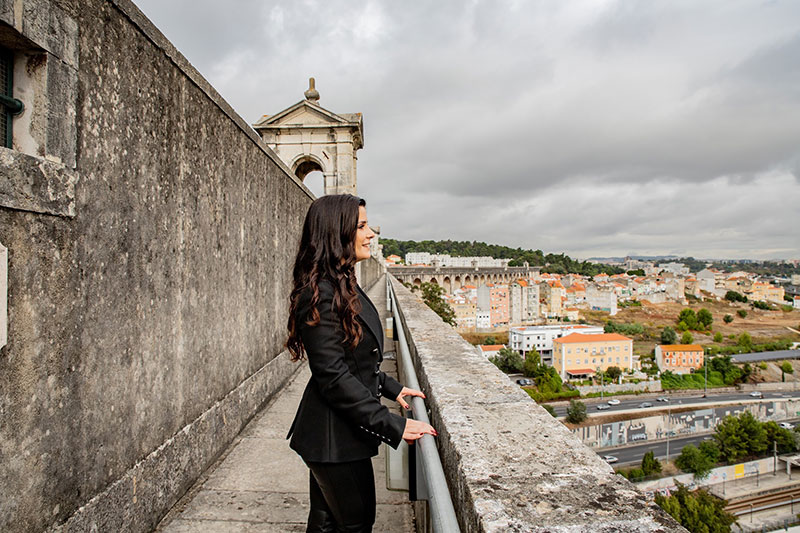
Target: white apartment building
x=418 y=258
x=675 y=268
x=445 y=260
x=483 y=320
x=602 y=298
x=524 y=339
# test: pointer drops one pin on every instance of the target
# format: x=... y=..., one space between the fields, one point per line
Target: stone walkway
x=260 y=485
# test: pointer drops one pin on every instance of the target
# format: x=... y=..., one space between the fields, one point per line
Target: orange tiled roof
x=682 y=347
x=491 y=347
x=597 y=337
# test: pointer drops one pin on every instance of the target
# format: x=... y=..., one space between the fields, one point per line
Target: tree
x=692 y=460
x=704 y=318
x=432 y=296
x=507 y=360
x=488 y=341
x=740 y=436
x=710 y=450
x=532 y=362
x=687 y=338
x=613 y=373
x=697 y=511
x=742 y=313
x=745 y=341
x=688 y=318
x=650 y=465
x=784 y=438
x=718 y=336
x=576 y=412
x=786 y=368
x=668 y=336
x=733 y=296
x=727 y=319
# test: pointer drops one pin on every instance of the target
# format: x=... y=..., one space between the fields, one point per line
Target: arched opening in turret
x=315 y=181
x=309 y=171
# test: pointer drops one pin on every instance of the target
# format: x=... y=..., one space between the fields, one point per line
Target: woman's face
x=363 y=235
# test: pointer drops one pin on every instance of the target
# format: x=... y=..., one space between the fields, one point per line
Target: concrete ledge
x=137 y=501
x=29 y=183
x=510 y=465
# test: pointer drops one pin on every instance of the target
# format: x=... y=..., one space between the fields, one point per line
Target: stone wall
x=150 y=236
x=510 y=465
x=642 y=386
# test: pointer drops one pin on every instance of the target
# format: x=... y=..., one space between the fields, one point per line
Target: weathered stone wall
x=509 y=464
x=369 y=272
x=147 y=277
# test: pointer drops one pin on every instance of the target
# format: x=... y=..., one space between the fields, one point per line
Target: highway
x=633 y=454
x=628 y=402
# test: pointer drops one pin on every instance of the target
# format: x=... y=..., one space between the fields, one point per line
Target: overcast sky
x=594 y=128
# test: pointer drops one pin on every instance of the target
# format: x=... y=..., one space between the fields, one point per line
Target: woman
x=340 y=421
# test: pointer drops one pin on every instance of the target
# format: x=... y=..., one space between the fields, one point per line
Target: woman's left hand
x=408 y=392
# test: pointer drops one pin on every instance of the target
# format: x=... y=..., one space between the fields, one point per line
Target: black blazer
x=340 y=417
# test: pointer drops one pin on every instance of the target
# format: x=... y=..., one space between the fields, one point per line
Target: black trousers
x=342 y=497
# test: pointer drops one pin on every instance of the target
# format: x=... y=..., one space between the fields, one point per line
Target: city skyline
x=589 y=128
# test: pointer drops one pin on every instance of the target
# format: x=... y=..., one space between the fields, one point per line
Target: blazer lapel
x=369 y=316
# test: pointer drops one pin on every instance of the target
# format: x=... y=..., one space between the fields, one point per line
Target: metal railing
x=426 y=479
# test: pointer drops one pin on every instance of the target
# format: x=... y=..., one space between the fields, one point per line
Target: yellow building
x=761 y=290
x=580 y=354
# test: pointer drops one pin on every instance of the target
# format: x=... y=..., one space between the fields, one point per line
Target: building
x=483 y=320
x=490 y=350
x=523 y=302
x=675 y=268
x=465 y=312
x=418 y=258
x=552 y=294
x=394 y=260
x=767 y=292
x=679 y=358
x=525 y=339
x=602 y=298
x=579 y=354
x=445 y=260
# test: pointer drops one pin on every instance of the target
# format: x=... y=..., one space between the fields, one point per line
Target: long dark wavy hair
x=327 y=252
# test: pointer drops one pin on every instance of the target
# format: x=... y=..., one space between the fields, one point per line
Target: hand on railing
x=416 y=429
x=408 y=392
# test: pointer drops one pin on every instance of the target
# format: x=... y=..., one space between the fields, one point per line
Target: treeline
x=552 y=263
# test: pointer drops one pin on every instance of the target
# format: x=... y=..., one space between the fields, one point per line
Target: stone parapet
x=511 y=466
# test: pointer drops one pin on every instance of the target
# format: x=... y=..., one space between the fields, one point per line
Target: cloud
x=562 y=126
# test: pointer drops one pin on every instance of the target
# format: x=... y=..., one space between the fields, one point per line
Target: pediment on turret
x=307 y=114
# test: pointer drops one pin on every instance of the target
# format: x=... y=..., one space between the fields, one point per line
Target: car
x=610 y=459
x=786 y=425
x=603 y=407
x=756 y=394
x=613 y=401
x=524 y=382
x=645 y=404
x=662 y=399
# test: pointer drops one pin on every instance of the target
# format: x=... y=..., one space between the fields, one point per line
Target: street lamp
x=669 y=418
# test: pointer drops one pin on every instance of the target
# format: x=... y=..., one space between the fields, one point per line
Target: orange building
x=679 y=358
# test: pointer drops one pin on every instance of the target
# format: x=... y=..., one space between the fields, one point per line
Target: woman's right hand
x=415 y=430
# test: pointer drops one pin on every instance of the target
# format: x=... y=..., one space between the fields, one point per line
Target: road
x=633 y=402
x=634 y=453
